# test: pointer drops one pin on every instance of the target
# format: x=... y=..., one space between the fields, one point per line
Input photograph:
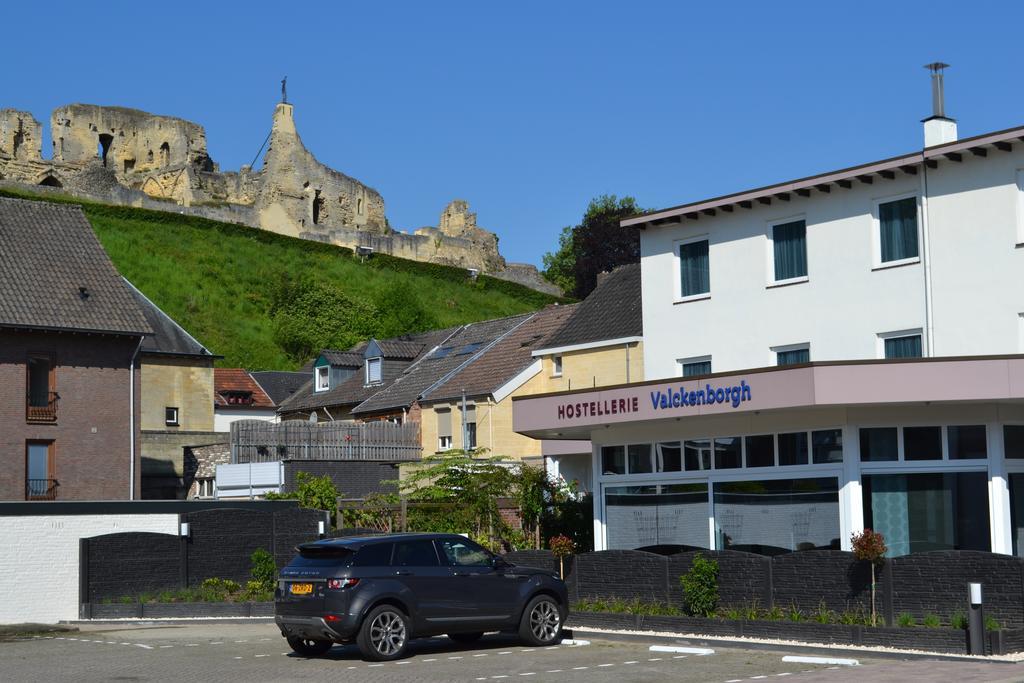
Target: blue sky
x=530 y=109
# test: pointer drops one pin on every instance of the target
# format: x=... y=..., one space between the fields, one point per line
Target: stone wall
x=125 y=156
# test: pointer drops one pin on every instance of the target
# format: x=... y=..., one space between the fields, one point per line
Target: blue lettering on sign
x=709 y=395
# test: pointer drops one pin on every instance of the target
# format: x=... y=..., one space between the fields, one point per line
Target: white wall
x=977 y=274
x=39 y=560
x=243 y=480
x=222 y=419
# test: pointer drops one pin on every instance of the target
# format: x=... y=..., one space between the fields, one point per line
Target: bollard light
x=183 y=530
x=321 y=528
x=975 y=593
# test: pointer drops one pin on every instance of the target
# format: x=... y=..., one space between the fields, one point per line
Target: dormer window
x=323 y=378
x=238 y=398
x=373 y=374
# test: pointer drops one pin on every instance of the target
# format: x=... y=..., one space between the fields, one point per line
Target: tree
x=870 y=546
x=598 y=244
x=310 y=315
x=559 y=265
x=315 y=493
x=402 y=311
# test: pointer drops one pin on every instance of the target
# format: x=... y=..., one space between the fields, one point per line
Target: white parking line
x=483 y=655
x=821 y=660
x=144 y=647
x=604 y=665
x=682 y=650
x=633 y=661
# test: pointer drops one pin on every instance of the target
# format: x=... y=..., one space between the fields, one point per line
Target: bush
x=700 y=587
x=958 y=620
x=931 y=621
x=906 y=619
x=992 y=624
x=264 y=571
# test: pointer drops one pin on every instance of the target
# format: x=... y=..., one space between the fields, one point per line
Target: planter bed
x=945 y=640
x=171 y=610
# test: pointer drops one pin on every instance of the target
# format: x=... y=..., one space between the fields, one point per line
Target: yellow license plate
x=302 y=588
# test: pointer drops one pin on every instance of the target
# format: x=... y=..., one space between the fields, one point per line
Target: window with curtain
x=694 y=268
x=696 y=368
x=665 y=514
x=789 y=242
x=897 y=223
x=373 y=374
x=793 y=356
x=903 y=347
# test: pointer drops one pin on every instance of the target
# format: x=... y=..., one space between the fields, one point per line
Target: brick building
x=70 y=334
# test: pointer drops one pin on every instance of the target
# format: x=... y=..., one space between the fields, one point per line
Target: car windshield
x=321 y=556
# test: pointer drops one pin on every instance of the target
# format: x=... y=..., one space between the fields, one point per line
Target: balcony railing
x=255 y=441
x=41 y=489
x=38 y=411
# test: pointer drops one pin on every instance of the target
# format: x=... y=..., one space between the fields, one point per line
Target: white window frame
x=775 y=350
x=380 y=365
x=1020 y=333
x=1020 y=207
x=322 y=378
x=680 y=362
x=882 y=336
x=556 y=366
x=876 y=232
x=444 y=443
x=770 y=255
x=176 y=422
x=678 y=270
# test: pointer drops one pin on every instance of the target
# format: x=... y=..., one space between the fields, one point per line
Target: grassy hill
x=263 y=300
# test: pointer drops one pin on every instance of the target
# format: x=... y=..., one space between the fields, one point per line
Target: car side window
x=465 y=554
x=376 y=555
x=415 y=554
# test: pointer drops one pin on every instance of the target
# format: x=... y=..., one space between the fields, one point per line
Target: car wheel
x=309 y=647
x=384 y=634
x=466 y=637
x=542 y=622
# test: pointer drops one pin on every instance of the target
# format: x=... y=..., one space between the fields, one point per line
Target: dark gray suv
x=381 y=591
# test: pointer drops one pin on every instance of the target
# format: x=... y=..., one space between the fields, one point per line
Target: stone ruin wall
x=130 y=157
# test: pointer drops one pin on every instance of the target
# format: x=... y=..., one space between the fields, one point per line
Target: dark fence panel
x=743 y=578
x=625 y=574
x=129 y=563
x=221 y=542
x=292 y=527
x=936 y=583
x=810 y=578
x=542 y=559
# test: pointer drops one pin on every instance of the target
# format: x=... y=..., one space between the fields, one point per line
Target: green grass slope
x=224 y=283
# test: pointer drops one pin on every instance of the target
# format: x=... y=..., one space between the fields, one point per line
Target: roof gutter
x=131 y=420
x=587 y=345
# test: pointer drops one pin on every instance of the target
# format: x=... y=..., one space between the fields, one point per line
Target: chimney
x=938 y=128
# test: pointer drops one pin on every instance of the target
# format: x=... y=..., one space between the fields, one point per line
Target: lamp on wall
x=183 y=530
x=321 y=528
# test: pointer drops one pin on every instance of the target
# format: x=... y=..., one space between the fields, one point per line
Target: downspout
x=929 y=325
x=626 y=346
x=131 y=420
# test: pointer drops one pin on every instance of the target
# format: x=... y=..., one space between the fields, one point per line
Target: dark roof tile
x=612 y=311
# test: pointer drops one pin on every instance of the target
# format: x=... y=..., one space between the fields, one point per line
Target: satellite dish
x=312 y=418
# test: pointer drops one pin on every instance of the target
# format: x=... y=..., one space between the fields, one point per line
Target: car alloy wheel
x=544 y=621
x=387 y=634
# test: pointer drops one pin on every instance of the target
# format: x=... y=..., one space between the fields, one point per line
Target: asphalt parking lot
x=250 y=652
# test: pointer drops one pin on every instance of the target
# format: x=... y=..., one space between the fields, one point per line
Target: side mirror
x=498 y=562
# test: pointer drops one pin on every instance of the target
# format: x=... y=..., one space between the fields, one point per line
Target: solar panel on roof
x=443 y=352
x=469 y=348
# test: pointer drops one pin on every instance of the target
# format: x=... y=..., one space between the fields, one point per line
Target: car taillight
x=341 y=583
x=332 y=617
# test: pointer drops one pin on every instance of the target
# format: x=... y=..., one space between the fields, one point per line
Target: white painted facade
x=965 y=292
x=39 y=560
x=222 y=418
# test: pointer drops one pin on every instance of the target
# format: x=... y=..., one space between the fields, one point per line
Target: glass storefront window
x=613 y=459
x=665 y=514
x=640 y=459
x=878 y=444
x=1017 y=512
x=966 y=442
x=697 y=454
x=922 y=443
x=727 y=453
x=827 y=446
x=760 y=450
x=934 y=511
x=1013 y=441
x=771 y=517
x=670 y=457
x=793 y=448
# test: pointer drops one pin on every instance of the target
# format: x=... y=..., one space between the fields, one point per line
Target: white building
x=861 y=332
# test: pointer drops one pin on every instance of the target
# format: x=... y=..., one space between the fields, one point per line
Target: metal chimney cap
x=936 y=67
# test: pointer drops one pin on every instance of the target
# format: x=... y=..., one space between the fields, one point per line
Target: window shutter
x=444 y=422
x=471 y=413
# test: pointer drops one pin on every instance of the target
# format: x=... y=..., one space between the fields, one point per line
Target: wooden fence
x=258 y=441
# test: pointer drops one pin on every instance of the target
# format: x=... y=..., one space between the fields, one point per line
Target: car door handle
x=403 y=572
x=462 y=574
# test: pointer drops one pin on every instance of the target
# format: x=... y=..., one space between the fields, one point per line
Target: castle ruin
x=126 y=156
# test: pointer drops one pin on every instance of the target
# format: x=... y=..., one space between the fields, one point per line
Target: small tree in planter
x=700 y=586
x=561 y=546
x=870 y=546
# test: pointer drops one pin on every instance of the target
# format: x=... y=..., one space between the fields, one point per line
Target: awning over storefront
x=574 y=414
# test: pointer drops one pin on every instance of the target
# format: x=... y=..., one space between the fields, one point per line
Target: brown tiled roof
x=492 y=369
x=457 y=351
x=611 y=311
x=349 y=359
x=353 y=390
x=55 y=275
x=237 y=379
x=404 y=350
